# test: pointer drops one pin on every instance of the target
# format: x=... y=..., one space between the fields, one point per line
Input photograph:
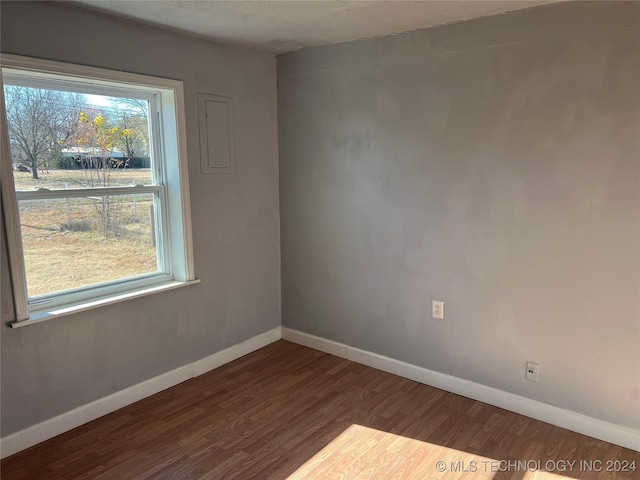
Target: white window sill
x=43 y=316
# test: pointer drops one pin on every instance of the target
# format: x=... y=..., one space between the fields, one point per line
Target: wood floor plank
x=290 y=412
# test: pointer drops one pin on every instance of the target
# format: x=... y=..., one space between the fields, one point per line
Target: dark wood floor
x=287 y=411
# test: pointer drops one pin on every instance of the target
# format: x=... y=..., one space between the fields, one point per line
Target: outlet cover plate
x=437 y=309
x=533 y=372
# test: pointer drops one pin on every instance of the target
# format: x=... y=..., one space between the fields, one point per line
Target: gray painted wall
x=52 y=367
x=492 y=164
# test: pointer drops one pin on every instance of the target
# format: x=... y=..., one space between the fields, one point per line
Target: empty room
x=320 y=240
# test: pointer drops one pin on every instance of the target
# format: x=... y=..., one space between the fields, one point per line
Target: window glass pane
x=75 y=242
x=62 y=139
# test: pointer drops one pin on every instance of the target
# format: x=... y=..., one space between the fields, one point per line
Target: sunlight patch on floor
x=366 y=453
x=532 y=474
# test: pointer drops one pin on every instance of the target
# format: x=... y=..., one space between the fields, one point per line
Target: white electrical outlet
x=437 y=309
x=533 y=372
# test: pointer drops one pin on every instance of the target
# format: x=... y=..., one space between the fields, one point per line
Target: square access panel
x=217 y=144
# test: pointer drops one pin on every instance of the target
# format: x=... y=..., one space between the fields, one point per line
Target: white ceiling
x=283 y=26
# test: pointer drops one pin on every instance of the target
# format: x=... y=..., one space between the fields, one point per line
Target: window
x=95 y=188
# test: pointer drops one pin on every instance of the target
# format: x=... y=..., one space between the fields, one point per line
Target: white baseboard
x=317 y=343
x=577 y=422
x=232 y=353
x=40 y=432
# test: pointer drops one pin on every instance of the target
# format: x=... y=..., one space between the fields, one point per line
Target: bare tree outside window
x=133 y=122
x=40 y=123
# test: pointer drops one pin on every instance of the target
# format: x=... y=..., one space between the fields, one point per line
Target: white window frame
x=171 y=186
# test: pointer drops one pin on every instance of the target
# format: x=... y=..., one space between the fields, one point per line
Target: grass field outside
x=81 y=178
x=66 y=243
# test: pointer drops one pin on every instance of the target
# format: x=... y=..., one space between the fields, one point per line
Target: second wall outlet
x=437 y=309
x=533 y=372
